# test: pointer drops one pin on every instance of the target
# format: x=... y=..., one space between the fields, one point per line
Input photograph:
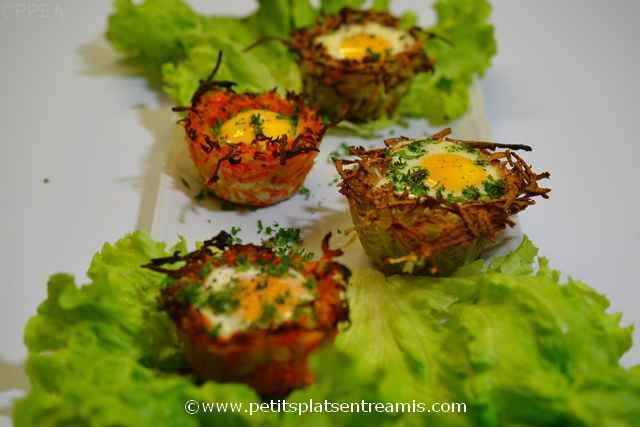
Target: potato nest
x=271 y=359
x=431 y=235
x=263 y=171
x=356 y=90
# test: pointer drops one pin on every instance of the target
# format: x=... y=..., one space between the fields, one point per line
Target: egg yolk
x=283 y=293
x=453 y=172
x=360 y=45
x=245 y=126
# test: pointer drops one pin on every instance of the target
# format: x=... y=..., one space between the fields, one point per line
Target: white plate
x=178 y=213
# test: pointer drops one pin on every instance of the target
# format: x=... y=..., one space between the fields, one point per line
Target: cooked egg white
x=246 y=125
x=359 y=41
x=254 y=293
x=450 y=168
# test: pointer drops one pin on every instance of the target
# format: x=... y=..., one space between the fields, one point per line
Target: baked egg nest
x=356 y=64
x=251 y=149
x=431 y=205
x=247 y=313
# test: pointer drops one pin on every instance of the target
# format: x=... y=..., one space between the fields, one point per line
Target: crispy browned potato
x=430 y=205
x=366 y=77
x=251 y=149
x=246 y=314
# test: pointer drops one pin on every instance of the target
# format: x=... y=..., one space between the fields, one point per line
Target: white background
x=564 y=81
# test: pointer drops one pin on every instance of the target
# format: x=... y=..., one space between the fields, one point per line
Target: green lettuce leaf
x=175 y=47
x=462 y=47
x=517 y=346
x=103 y=354
x=334 y=6
x=371 y=128
x=153 y=33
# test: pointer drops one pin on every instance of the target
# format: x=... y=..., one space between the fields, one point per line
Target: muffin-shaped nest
x=289 y=305
x=267 y=168
x=361 y=89
x=412 y=226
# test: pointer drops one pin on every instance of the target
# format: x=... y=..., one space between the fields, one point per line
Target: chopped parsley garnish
x=396 y=166
x=304 y=253
x=375 y=56
x=310 y=283
x=325 y=118
x=301 y=311
x=469 y=148
x=285 y=238
x=269 y=312
x=281 y=240
x=256 y=124
x=451 y=198
x=277 y=269
x=214 y=332
x=235 y=239
x=205 y=270
x=494 y=188
x=188 y=293
x=459 y=147
x=242 y=263
x=305 y=192
x=222 y=302
x=297 y=313
x=284 y=242
x=215 y=129
x=413 y=150
x=282 y=298
x=415 y=181
x=411 y=180
x=471 y=192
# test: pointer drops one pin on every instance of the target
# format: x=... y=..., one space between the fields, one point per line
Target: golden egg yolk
x=246 y=125
x=453 y=172
x=360 y=45
x=280 y=292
